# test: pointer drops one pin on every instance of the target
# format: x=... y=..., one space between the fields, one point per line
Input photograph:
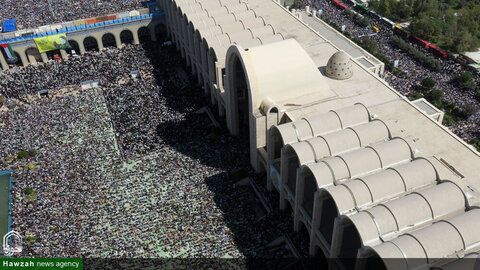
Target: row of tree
x=435 y=97
x=367 y=44
x=454 y=25
x=358 y=19
x=465 y=81
x=418 y=55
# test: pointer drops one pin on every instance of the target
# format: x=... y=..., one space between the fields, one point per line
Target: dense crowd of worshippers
x=129 y=169
x=31 y=13
x=414 y=71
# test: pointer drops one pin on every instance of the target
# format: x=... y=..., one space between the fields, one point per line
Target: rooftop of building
x=431 y=139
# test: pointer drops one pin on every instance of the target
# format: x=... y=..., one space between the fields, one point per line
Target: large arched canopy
x=264 y=68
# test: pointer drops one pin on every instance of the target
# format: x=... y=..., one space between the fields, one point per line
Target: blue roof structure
x=72 y=28
x=9 y=25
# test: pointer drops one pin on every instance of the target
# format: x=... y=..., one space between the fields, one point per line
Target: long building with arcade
x=366 y=172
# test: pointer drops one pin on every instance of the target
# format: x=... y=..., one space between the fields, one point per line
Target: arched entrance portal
x=90 y=44
x=13 y=61
x=144 y=35
x=33 y=55
x=54 y=55
x=108 y=40
x=126 y=37
x=74 y=47
x=19 y=62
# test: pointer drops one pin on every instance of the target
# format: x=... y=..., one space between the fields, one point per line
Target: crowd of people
x=128 y=169
x=30 y=13
x=414 y=71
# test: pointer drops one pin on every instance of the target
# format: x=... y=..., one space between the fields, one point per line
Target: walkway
x=4 y=202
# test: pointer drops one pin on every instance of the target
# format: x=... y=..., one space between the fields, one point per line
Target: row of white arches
x=95 y=42
x=352 y=188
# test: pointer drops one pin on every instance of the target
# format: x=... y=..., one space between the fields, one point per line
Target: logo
x=274 y=176
x=60 y=42
x=12 y=243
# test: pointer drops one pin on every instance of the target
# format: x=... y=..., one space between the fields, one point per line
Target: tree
x=403 y=10
x=374 y=4
x=31 y=239
x=30 y=166
x=465 y=77
x=361 y=21
x=476 y=143
x=384 y=8
x=29 y=191
x=297 y=5
x=22 y=155
x=32 y=152
x=434 y=96
x=469 y=110
x=427 y=83
x=30 y=194
x=414 y=96
x=465 y=81
x=423 y=27
x=369 y=45
x=469 y=85
x=462 y=41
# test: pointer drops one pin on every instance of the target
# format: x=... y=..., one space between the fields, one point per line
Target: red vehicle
x=57 y=58
x=340 y=4
x=437 y=51
x=421 y=42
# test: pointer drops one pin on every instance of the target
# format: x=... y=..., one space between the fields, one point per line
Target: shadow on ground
x=253 y=229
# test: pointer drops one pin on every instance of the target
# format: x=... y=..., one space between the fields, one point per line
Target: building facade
x=366 y=172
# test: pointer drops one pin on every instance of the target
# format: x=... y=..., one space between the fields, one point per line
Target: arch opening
x=289 y=208
x=33 y=55
x=90 y=44
x=327 y=217
x=310 y=186
x=54 y=55
x=292 y=164
x=2 y=51
x=212 y=59
x=349 y=241
x=277 y=142
x=304 y=235
x=126 y=37
x=73 y=47
x=19 y=62
x=320 y=258
x=108 y=40
x=240 y=94
x=372 y=261
x=144 y=35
